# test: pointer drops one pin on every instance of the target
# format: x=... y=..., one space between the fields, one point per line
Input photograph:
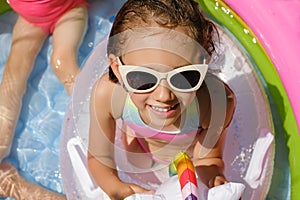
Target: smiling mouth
x=163 y=109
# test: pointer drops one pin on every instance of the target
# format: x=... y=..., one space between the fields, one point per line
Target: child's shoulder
x=108 y=95
x=103 y=86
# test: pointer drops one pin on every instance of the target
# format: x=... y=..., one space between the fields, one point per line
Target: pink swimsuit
x=132 y=119
x=44 y=13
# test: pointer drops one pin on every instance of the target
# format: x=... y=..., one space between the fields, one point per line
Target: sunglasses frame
x=125 y=69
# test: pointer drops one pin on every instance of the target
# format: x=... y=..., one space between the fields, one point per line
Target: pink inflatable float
x=277 y=25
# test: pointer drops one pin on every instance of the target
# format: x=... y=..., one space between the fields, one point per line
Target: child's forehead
x=159 y=38
x=154 y=57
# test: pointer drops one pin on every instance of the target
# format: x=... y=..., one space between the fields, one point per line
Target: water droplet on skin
x=58 y=63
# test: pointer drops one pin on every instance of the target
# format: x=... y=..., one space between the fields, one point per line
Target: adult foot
x=9 y=113
x=15 y=186
x=10 y=105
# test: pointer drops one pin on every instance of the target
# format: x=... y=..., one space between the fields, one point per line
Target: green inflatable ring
x=4 y=6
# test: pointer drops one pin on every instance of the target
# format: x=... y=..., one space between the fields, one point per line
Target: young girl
x=66 y=21
x=158 y=99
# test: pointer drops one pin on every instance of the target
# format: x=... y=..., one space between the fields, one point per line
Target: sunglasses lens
x=141 y=80
x=186 y=79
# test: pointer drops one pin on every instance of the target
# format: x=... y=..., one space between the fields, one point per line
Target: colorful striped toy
x=183 y=166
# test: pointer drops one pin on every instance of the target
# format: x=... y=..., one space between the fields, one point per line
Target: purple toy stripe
x=191 y=197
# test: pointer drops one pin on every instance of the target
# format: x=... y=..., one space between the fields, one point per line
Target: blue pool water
x=35 y=149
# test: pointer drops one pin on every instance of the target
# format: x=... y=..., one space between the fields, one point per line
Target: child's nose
x=163 y=92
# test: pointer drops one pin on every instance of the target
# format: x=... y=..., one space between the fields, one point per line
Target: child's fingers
x=218 y=180
x=139 y=189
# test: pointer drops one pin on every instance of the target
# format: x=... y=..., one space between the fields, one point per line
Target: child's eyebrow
x=150 y=65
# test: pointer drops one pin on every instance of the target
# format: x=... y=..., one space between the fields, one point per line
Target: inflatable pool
x=259 y=67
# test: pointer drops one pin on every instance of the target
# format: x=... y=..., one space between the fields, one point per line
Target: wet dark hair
x=167 y=14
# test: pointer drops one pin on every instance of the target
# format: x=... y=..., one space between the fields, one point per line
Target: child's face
x=162 y=107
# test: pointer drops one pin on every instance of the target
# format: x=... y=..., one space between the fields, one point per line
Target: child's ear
x=114 y=65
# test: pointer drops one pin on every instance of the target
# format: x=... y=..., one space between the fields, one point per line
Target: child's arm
x=107 y=179
x=216 y=116
x=101 y=144
x=210 y=167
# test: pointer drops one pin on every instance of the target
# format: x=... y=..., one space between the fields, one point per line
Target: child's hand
x=217 y=180
x=128 y=189
x=139 y=189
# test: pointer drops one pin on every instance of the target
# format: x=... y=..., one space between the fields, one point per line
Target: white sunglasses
x=141 y=79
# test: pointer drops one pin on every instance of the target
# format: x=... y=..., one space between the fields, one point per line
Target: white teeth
x=160 y=109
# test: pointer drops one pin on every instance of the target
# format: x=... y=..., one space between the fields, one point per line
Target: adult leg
x=13 y=185
x=27 y=40
x=67 y=37
x=26 y=43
